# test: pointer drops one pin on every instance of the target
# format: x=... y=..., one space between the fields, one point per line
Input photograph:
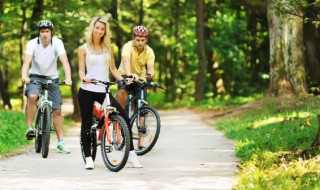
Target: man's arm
x=150 y=70
x=127 y=67
x=25 y=68
x=66 y=68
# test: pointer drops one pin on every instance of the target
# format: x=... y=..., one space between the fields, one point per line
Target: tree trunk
x=36 y=15
x=311 y=38
x=22 y=44
x=140 y=22
x=118 y=38
x=168 y=78
x=287 y=69
x=212 y=62
x=200 y=79
x=3 y=81
x=316 y=142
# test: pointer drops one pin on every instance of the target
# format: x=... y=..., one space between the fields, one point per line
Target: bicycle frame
x=44 y=101
x=141 y=102
x=104 y=114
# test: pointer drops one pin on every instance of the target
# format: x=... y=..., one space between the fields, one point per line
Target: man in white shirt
x=42 y=53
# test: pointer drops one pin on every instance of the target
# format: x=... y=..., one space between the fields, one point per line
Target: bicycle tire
x=46 y=129
x=115 y=155
x=93 y=145
x=152 y=125
x=38 y=138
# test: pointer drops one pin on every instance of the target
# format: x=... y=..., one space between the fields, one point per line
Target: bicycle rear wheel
x=150 y=121
x=46 y=129
x=38 y=138
x=115 y=154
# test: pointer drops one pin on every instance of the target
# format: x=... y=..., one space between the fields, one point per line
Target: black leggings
x=86 y=100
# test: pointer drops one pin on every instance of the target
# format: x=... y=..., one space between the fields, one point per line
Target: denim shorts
x=54 y=93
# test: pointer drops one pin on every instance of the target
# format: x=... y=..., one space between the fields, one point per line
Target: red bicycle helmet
x=140 y=31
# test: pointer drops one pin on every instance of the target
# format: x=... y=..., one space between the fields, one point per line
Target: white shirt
x=97 y=66
x=44 y=59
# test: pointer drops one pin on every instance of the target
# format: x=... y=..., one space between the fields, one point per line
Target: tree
x=200 y=80
x=287 y=69
x=3 y=68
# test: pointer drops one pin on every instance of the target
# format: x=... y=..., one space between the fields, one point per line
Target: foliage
x=238 y=39
x=172 y=27
x=273 y=140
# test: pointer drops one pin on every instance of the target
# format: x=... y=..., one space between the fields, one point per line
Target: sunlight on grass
x=273 y=142
x=267 y=121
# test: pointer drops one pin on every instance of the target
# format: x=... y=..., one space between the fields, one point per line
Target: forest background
x=205 y=49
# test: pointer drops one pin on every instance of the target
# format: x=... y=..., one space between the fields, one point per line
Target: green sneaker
x=62 y=147
x=30 y=134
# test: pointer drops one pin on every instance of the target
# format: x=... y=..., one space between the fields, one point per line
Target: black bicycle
x=145 y=119
x=43 y=123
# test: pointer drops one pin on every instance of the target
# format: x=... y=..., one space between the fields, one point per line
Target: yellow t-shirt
x=138 y=62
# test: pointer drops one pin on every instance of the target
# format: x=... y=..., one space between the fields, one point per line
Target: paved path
x=188 y=155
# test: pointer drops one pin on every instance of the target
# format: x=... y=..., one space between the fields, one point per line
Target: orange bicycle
x=110 y=131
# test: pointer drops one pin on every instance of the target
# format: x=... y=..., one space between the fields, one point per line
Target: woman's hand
x=86 y=80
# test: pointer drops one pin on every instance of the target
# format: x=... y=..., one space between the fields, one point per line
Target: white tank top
x=97 y=67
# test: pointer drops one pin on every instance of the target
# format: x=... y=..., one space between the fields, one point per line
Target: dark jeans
x=86 y=100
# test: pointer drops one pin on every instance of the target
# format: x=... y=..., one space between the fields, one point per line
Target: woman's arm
x=82 y=64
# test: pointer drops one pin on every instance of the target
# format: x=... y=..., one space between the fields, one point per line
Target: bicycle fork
x=116 y=127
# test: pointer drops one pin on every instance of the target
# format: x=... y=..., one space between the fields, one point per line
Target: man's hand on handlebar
x=149 y=76
x=68 y=82
x=26 y=80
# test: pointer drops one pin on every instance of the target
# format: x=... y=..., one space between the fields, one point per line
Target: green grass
x=273 y=141
x=12 y=131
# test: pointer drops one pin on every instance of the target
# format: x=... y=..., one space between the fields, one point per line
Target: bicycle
x=43 y=123
x=148 y=125
x=110 y=131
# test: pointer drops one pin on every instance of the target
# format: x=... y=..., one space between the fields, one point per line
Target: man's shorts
x=134 y=88
x=54 y=93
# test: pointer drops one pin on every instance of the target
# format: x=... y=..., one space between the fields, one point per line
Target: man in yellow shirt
x=137 y=60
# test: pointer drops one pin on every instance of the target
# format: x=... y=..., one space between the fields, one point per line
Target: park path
x=188 y=155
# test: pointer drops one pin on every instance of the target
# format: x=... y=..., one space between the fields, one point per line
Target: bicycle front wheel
x=38 y=138
x=46 y=129
x=115 y=148
x=146 y=135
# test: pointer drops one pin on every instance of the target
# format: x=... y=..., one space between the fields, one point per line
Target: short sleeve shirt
x=44 y=59
x=138 y=62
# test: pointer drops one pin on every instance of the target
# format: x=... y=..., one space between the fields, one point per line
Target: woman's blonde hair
x=106 y=39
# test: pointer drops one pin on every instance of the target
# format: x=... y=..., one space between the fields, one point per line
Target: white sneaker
x=133 y=160
x=89 y=163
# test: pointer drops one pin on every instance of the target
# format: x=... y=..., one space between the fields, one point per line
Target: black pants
x=86 y=100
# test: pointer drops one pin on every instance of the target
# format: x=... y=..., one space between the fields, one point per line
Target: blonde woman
x=96 y=59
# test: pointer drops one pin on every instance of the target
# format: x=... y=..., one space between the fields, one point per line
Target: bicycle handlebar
x=151 y=84
x=49 y=82
x=100 y=82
